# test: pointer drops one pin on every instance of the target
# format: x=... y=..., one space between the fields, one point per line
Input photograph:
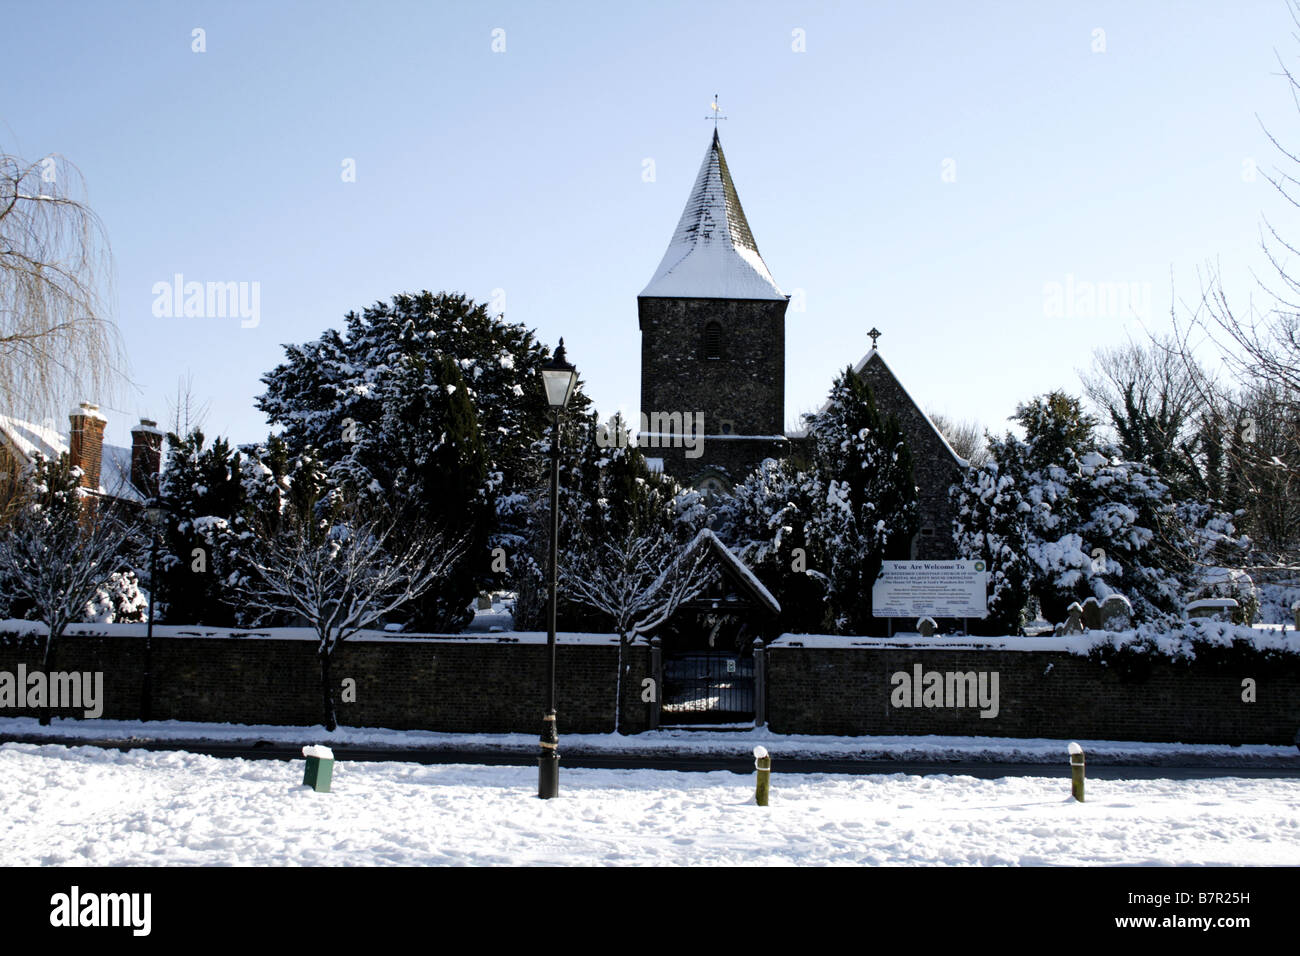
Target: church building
x=712 y=324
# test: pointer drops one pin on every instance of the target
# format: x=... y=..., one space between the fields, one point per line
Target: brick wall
x=458 y=685
x=427 y=684
x=1054 y=694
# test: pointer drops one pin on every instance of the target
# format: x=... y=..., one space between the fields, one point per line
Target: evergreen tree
x=202 y=490
x=865 y=504
x=765 y=520
x=992 y=525
x=430 y=399
x=1061 y=519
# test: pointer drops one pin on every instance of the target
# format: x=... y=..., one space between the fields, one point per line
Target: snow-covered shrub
x=1133 y=654
x=118 y=600
x=991 y=524
x=1064 y=519
x=1278 y=600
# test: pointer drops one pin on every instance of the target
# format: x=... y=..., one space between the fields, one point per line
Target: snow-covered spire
x=713 y=254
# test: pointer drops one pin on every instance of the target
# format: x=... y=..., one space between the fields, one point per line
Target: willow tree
x=57 y=342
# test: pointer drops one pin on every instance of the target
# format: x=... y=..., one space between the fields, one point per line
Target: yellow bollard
x=1076 y=772
x=763 y=764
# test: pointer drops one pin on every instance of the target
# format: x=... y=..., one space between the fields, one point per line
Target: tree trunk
x=327 y=691
x=47 y=664
x=618 y=690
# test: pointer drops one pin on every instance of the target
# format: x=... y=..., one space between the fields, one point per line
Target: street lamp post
x=559 y=377
x=155 y=515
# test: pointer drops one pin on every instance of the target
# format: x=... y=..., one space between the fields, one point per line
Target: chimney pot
x=146 y=457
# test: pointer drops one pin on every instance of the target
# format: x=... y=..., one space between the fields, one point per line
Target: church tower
x=712 y=343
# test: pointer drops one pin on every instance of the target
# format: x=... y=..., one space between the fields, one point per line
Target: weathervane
x=717 y=112
x=875 y=333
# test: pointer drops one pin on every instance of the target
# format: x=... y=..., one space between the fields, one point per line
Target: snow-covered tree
x=202 y=492
x=59 y=547
x=765 y=520
x=992 y=525
x=864 y=498
x=119 y=599
x=606 y=492
x=1062 y=518
x=637 y=580
x=342 y=568
x=429 y=399
x=1137 y=547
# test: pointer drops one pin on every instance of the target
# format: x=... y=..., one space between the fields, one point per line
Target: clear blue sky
x=522 y=171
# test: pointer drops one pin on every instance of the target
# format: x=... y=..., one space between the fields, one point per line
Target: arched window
x=713 y=341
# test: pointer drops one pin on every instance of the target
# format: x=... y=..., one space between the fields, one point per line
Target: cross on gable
x=875 y=333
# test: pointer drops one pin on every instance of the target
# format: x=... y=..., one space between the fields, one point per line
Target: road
x=1167 y=769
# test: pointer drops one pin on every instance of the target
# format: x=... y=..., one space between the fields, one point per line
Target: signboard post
x=915 y=589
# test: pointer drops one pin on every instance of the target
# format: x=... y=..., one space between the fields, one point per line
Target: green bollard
x=320 y=768
x=1076 y=772
x=763 y=764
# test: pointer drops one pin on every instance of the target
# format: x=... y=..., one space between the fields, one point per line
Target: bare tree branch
x=342 y=574
x=57 y=342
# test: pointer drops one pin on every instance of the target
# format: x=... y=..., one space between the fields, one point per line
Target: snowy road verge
x=672 y=743
x=73 y=806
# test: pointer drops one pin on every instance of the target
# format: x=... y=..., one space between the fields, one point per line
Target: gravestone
x=1217 y=609
x=1092 y=614
x=1074 y=624
x=927 y=626
x=1116 y=613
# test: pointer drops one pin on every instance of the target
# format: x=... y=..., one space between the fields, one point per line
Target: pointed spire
x=713 y=254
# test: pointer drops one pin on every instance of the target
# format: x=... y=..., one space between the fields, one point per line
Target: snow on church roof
x=713 y=254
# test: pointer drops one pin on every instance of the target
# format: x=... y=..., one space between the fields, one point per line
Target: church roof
x=713 y=254
x=875 y=356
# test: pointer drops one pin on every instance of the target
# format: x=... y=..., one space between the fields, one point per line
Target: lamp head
x=560 y=378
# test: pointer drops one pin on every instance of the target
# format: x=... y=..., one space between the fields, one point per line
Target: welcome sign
x=931 y=589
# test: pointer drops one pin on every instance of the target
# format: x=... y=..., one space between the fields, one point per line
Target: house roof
x=712 y=254
x=27 y=439
x=874 y=355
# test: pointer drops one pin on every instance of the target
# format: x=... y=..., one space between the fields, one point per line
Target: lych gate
x=707 y=670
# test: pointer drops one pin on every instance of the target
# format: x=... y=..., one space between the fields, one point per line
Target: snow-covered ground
x=70 y=806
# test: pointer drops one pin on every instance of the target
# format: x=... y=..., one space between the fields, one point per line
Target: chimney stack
x=146 y=457
x=86 y=444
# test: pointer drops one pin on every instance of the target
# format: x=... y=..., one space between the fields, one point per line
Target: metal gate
x=707 y=687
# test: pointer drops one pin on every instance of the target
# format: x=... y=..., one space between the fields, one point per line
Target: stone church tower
x=712 y=343
x=713 y=364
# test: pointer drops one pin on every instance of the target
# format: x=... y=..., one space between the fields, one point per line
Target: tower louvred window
x=713 y=341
